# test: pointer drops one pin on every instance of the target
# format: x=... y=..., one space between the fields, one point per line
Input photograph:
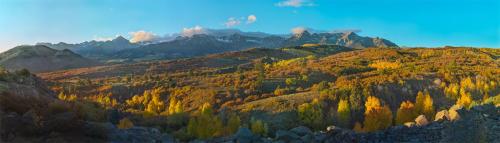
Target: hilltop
x=42 y=59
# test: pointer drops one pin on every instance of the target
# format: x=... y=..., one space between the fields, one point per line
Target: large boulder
x=421 y=120
x=442 y=115
x=453 y=112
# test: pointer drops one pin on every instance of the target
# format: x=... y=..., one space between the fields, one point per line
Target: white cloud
x=295 y=3
x=142 y=36
x=188 y=32
x=251 y=19
x=298 y=30
x=232 y=22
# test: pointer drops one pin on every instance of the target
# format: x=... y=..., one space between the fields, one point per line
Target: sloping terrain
x=224 y=60
x=42 y=59
x=97 y=50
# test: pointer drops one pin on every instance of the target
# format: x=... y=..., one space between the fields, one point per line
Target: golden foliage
x=385 y=65
x=406 y=113
x=464 y=100
x=258 y=127
x=149 y=101
x=311 y=114
x=344 y=113
x=376 y=116
x=205 y=125
x=125 y=123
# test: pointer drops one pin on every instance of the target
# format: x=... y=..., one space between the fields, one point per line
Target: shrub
x=258 y=127
x=125 y=123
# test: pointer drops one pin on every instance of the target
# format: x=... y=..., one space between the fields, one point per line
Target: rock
x=286 y=136
x=454 y=115
x=243 y=135
x=442 y=115
x=421 y=120
x=410 y=124
x=333 y=129
x=301 y=130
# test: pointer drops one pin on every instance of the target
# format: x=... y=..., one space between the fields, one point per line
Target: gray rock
x=301 y=130
x=421 y=120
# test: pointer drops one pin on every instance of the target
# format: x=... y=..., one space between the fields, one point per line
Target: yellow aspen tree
x=428 y=109
x=344 y=113
x=406 y=113
x=419 y=102
x=376 y=116
x=464 y=100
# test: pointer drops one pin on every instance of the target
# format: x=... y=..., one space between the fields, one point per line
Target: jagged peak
x=121 y=39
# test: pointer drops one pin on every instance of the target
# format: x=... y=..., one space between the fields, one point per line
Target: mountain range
x=45 y=57
x=97 y=50
x=209 y=42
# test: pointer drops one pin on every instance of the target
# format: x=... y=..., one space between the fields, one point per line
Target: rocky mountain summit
x=347 y=39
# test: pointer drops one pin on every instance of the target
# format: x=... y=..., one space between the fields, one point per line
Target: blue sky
x=427 y=23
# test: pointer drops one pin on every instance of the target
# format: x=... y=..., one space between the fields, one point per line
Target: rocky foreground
x=479 y=124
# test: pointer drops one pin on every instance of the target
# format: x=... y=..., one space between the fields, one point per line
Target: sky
x=427 y=23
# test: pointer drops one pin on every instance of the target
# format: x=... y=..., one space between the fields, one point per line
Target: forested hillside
x=267 y=91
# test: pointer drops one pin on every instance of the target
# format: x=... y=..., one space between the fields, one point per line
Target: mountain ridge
x=209 y=41
x=41 y=58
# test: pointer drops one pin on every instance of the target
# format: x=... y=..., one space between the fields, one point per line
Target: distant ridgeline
x=120 y=49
